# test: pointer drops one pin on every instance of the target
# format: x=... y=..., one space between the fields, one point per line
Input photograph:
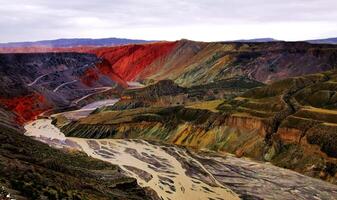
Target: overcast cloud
x=207 y=20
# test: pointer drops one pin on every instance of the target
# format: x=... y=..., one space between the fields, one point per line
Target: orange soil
x=26 y=107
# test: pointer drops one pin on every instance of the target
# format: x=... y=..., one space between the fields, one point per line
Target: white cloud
x=167 y=19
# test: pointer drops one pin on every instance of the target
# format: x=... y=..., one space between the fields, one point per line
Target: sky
x=202 y=20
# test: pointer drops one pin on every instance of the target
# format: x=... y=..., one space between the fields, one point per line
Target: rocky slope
x=34 y=83
x=41 y=172
x=166 y=92
x=282 y=122
x=191 y=63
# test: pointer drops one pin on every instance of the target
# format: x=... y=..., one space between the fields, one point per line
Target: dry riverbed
x=178 y=173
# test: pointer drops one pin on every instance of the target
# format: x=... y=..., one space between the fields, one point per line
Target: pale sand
x=183 y=184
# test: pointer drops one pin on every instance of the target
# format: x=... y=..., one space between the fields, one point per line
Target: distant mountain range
x=257 y=40
x=75 y=42
x=318 y=41
x=324 y=41
x=80 y=42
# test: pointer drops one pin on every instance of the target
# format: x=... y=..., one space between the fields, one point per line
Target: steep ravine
x=292 y=106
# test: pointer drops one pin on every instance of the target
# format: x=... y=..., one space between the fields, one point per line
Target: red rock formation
x=106 y=69
x=26 y=107
x=92 y=75
x=89 y=77
x=130 y=60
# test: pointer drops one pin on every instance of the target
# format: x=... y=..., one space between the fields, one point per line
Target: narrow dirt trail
x=37 y=79
x=102 y=89
x=64 y=84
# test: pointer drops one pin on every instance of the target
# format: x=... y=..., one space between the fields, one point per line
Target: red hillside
x=129 y=60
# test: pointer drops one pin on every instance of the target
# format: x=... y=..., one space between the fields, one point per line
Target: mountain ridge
x=114 y=41
x=73 y=42
x=332 y=40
